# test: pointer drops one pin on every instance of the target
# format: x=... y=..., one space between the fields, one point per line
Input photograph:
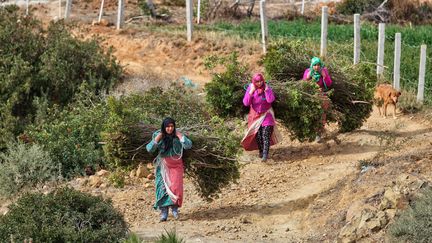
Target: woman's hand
x=179 y=135
x=309 y=75
x=323 y=75
x=158 y=138
x=252 y=89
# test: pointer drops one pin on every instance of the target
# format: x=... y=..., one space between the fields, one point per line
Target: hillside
x=306 y=192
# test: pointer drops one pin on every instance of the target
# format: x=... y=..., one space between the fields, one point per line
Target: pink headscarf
x=258 y=77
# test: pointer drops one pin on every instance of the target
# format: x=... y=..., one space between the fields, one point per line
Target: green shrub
x=117 y=178
x=132 y=238
x=68 y=62
x=48 y=63
x=24 y=166
x=415 y=223
x=72 y=135
x=169 y=237
x=226 y=89
x=64 y=215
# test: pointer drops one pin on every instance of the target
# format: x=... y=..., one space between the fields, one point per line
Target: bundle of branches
x=122 y=131
x=298 y=107
x=226 y=88
x=286 y=61
x=350 y=95
x=211 y=163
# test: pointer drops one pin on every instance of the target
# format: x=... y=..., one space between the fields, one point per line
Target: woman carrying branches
x=261 y=132
x=169 y=167
x=318 y=73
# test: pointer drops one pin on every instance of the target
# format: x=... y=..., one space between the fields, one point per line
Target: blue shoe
x=164 y=214
x=175 y=212
x=264 y=158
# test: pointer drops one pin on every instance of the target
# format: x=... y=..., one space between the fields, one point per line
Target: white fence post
x=356 y=38
x=101 y=11
x=189 y=18
x=302 y=7
x=68 y=8
x=422 y=70
x=264 y=30
x=324 y=24
x=120 y=14
x=396 y=66
x=59 y=13
x=199 y=11
x=380 y=56
x=27 y=7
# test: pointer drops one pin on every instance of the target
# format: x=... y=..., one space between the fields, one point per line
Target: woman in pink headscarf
x=261 y=131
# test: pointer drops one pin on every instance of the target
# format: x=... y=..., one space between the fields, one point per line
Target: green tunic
x=162 y=197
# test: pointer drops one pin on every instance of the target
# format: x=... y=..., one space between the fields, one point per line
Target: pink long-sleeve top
x=261 y=104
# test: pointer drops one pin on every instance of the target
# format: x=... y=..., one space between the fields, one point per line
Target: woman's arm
x=247 y=99
x=269 y=94
x=156 y=139
x=307 y=74
x=185 y=141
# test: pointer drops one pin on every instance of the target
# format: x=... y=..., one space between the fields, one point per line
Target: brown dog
x=384 y=95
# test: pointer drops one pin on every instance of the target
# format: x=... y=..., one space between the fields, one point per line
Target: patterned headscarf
x=316 y=75
x=258 y=77
x=168 y=138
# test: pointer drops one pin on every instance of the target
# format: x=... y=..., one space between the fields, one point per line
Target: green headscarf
x=316 y=75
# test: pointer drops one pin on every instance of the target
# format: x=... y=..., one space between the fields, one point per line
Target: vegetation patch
x=414 y=224
x=51 y=63
x=64 y=215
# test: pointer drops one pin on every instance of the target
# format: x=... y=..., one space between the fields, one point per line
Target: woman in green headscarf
x=318 y=73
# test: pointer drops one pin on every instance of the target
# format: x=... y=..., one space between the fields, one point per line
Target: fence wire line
x=258 y=34
x=345 y=44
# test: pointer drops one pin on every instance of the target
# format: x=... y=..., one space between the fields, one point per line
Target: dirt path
x=298 y=196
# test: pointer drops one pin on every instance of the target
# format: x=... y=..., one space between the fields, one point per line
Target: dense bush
x=52 y=64
x=226 y=88
x=64 y=215
x=72 y=135
x=415 y=223
x=24 y=166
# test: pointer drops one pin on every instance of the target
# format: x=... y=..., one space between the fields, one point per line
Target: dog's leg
x=385 y=110
x=394 y=111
